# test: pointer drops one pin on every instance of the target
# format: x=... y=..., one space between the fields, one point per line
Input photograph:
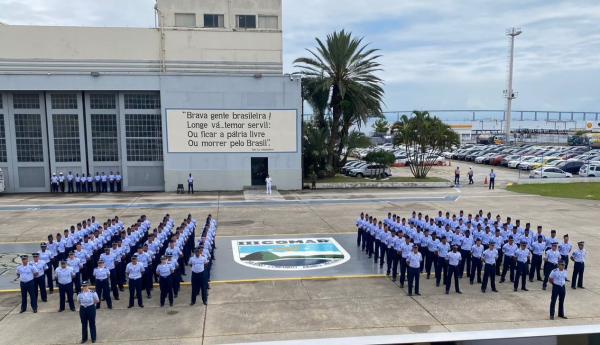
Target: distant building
x=91 y=99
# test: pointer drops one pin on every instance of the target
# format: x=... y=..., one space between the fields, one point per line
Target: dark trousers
x=548 y=267
x=199 y=285
x=49 y=280
x=441 y=270
x=423 y=251
x=470 y=179
x=104 y=186
x=391 y=254
x=103 y=291
x=359 y=232
x=77 y=282
x=88 y=319
x=98 y=186
x=489 y=272
x=476 y=270
x=403 y=269
x=558 y=292
x=413 y=277
x=147 y=277
x=453 y=271
x=377 y=249
x=578 y=269
x=135 y=290
x=521 y=274
x=492 y=183
x=119 y=186
x=66 y=290
x=176 y=281
x=466 y=261
x=54 y=187
x=166 y=289
x=114 y=282
x=509 y=264
x=536 y=265
x=111 y=185
x=190 y=188
x=70 y=187
x=78 y=187
x=429 y=259
x=370 y=244
x=396 y=257
x=456 y=179
x=90 y=187
x=40 y=285
x=28 y=289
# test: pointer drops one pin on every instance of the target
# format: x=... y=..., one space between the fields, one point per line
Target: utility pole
x=509 y=92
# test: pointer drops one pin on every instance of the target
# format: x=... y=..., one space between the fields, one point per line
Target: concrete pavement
x=303 y=308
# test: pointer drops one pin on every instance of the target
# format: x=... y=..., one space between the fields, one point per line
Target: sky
x=436 y=54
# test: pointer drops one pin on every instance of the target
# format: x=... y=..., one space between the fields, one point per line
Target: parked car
x=371 y=170
x=549 y=173
x=570 y=166
x=515 y=163
x=537 y=165
x=590 y=170
x=351 y=165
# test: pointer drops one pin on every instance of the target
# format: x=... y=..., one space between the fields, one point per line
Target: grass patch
x=582 y=190
x=348 y=179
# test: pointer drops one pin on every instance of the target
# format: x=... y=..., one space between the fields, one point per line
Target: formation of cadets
x=75 y=183
x=109 y=256
x=451 y=247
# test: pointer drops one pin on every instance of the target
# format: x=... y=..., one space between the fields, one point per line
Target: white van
x=590 y=170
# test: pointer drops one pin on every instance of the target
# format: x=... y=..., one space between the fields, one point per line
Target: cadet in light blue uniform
x=87 y=312
x=27 y=273
x=431 y=257
x=565 y=249
x=102 y=275
x=509 y=250
x=441 y=268
x=551 y=263
x=164 y=272
x=40 y=279
x=64 y=278
x=465 y=252
x=454 y=259
x=199 y=282
x=397 y=243
x=578 y=258
x=414 y=260
x=537 y=249
x=476 y=262
x=522 y=257
x=405 y=249
x=489 y=258
x=134 y=271
x=558 y=278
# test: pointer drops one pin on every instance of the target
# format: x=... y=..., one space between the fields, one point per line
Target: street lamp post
x=509 y=92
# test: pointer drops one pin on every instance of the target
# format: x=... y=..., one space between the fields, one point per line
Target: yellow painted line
x=259 y=280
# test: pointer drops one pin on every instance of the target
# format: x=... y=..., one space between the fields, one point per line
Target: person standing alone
x=269 y=182
x=190 y=184
x=457 y=176
x=492 y=179
x=470 y=174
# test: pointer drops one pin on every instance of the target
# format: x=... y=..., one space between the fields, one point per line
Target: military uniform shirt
x=39 y=266
x=197 y=264
x=45 y=256
x=558 y=277
x=164 y=270
x=467 y=243
x=538 y=248
x=414 y=260
x=522 y=254
x=87 y=299
x=406 y=249
x=553 y=256
x=454 y=258
x=101 y=273
x=550 y=241
x=509 y=249
x=489 y=256
x=564 y=248
x=64 y=275
x=443 y=249
x=433 y=244
x=134 y=271
x=477 y=251
x=579 y=255
x=26 y=273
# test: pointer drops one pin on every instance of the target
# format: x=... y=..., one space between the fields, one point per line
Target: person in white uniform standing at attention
x=190 y=184
x=269 y=182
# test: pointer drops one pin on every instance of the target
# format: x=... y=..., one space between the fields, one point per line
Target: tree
x=344 y=69
x=314 y=150
x=381 y=126
x=382 y=158
x=424 y=138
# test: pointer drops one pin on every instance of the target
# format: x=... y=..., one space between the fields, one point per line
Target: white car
x=590 y=170
x=513 y=164
x=549 y=173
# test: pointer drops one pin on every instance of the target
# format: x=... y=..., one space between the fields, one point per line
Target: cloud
x=436 y=53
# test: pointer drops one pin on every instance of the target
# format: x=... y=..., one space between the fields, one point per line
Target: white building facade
x=91 y=100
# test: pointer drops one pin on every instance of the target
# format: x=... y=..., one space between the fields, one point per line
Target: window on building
x=26 y=101
x=63 y=101
x=102 y=101
x=214 y=21
x=105 y=147
x=66 y=137
x=186 y=20
x=245 y=21
x=28 y=133
x=268 y=22
x=142 y=101
x=144 y=137
x=3 y=157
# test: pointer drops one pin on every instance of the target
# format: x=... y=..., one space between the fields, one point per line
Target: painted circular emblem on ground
x=291 y=254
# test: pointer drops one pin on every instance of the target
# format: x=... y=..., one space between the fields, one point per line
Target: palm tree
x=344 y=68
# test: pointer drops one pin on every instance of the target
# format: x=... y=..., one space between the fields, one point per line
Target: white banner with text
x=230 y=131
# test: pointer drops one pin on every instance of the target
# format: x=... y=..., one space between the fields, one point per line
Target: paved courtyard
x=327 y=304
